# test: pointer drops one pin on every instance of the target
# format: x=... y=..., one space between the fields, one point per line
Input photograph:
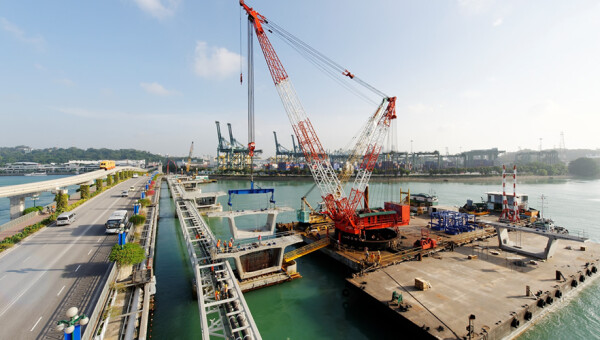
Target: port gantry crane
x=189 y=161
x=350 y=223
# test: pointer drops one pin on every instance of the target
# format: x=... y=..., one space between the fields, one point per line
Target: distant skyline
x=155 y=75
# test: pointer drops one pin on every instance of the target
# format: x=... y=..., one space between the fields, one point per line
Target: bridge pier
x=17 y=205
x=505 y=243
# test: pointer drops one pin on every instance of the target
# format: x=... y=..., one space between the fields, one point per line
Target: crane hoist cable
x=318 y=56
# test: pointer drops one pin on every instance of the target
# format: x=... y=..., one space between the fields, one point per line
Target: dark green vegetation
x=85 y=191
x=131 y=253
x=137 y=219
x=585 y=167
x=62 y=200
x=30 y=209
x=145 y=202
x=536 y=169
x=59 y=155
x=16 y=238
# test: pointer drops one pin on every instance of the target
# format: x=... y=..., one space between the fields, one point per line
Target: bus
x=116 y=221
x=107 y=165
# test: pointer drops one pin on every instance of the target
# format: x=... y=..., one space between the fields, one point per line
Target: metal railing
x=220 y=297
x=307 y=249
x=90 y=329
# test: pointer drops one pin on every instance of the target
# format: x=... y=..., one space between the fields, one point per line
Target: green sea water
x=314 y=307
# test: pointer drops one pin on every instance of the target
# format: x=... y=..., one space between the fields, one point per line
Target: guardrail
x=220 y=298
x=18 y=220
x=21 y=219
x=94 y=318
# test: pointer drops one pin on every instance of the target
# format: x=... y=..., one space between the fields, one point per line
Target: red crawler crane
x=351 y=221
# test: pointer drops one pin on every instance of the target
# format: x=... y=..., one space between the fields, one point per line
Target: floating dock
x=471 y=280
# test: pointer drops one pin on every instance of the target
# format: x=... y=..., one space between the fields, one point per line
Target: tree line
x=60 y=155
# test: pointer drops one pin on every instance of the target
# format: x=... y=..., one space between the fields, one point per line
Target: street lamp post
x=35 y=198
x=72 y=326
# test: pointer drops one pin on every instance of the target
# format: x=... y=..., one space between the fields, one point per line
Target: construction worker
x=217 y=295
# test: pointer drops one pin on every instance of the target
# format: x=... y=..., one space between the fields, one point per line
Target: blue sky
x=156 y=74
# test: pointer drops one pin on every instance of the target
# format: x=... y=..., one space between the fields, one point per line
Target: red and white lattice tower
x=515 y=209
x=505 y=210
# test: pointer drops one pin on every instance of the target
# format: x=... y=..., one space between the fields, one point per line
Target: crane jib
x=341 y=208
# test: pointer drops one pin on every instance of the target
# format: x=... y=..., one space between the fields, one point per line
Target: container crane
x=189 y=161
x=351 y=224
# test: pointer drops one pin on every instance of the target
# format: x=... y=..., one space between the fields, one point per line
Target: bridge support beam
x=505 y=243
x=266 y=230
x=253 y=261
x=17 y=205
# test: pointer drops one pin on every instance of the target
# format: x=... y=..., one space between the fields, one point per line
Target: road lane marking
x=79 y=266
x=56 y=260
x=26 y=259
x=40 y=319
x=60 y=291
x=99 y=239
x=2 y=277
x=90 y=251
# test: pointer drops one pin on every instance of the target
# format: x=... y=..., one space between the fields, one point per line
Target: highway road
x=59 y=267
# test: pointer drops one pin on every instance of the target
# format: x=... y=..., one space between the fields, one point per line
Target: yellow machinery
x=189 y=162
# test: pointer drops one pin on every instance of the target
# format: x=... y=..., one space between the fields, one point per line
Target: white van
x=65 y=218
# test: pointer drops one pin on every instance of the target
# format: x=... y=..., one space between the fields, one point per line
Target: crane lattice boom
x=342 y=208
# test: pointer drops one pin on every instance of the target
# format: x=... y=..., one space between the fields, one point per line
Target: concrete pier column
x=503 y=237
x=233 y=227
x=239 y=267
x=17 y=205
x=550 y=247
x=271 y=218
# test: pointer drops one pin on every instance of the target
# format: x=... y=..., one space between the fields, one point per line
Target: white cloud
x=37 y=41
x=158 y=8
x=39 y=67
x=498 y=22
x=157 y=89
x=215 y=62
